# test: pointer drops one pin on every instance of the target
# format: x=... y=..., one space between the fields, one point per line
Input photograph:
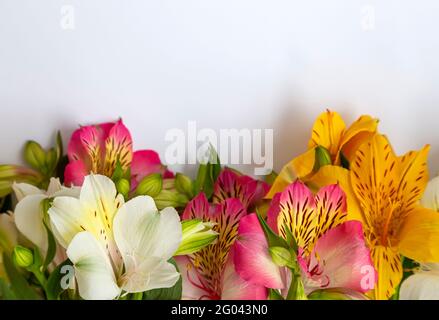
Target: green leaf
x=173 y=293
x=53 y=287
x=19 y=286
x=273 y=239
x=5 y=291
x=51 y=251
x=207 y=174
x=274 y=295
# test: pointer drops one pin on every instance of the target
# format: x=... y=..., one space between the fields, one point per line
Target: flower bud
x=34 y=155
x=23 y=257
x=184 y=184
x=336 y=294
x=123 y=187
x=150 y=185
x=196 y=235
x=170 y=198
x=323 y=158
x=11 y=173
x=281 y=256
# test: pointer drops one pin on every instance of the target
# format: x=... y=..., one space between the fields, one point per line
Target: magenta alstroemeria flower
x=98 y=148
x=231 y=185
x=332 y=251
x=210 y=273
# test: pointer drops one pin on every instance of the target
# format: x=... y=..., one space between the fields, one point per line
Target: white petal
x=99 y=194
x=152 y=273
x=29 y=220
x=54 y=186
x=141 y=232
x=430 y=199
x=24 y=189
x=66 y=216
x=8 y=231
x=93 y=270
x=420 y=286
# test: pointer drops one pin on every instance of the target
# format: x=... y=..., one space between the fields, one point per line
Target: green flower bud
x=196 y=235
x=150 y=185
x=11 y=173
x=23 y=257
x=169 y=184
x=184 y=184
x=170 y=198
x=281 y=257
x=34 y=155
x=336 y=294
x=123 y=187
x=323 y=158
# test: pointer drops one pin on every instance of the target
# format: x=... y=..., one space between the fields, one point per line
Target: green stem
x=137 y=296
x=297 y=290
x=40 y=277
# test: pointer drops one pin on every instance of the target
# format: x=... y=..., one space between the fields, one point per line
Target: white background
x=225 y=64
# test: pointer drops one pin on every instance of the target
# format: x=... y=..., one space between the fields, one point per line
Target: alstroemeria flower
x=8 y=237
x=210 y=273
x=330 y=132
x=99 y=148
x=116 y=246
x=29 y=215
x=384 y=192
x=332 y=251
x=244 y=188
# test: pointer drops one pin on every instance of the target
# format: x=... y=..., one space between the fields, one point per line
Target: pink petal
x=343 y=258
x=236 y=288
x=193 y=288
x=252 y=258
x=331 y=208
x=118 y=148
x=74 y=173
x=145 y=162
x=231 y=185
x=197 y=208
x=273 y=213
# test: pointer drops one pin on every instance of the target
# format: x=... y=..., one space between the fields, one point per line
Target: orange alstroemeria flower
x=383 y=192
x=340 y=143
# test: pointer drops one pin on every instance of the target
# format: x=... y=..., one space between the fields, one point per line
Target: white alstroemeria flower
x=116 y=246
x=29 y=214
x=424 y=284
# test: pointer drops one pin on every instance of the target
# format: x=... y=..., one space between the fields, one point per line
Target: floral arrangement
x=347 y=219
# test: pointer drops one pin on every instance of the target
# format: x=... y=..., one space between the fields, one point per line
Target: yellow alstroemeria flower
x=384 y=192
x=330 y=132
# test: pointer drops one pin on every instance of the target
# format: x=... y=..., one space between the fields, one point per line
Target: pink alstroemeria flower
x=98 y=148
x=332 y=251
x=210 y=273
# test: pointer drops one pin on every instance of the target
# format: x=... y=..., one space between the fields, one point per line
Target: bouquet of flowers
x=347 y=219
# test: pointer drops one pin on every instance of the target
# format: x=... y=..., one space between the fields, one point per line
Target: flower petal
x=231 y=185
x=145 y=162
x=193 y=288
x=298 y=214
x=29 y=220
x=75 y=173
x=273 y=213
x=414 y=177
x=331 y=208
x=22 y=190
x=118 y=148
x=430 y=199
x=328 y=131
x=236 y=288
x=252 y=259
x=197 y=208
x=142 y=232
x=343 y=259
x=388 y=264
x=420 y=286
x=420 y=235
x=93 y=270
